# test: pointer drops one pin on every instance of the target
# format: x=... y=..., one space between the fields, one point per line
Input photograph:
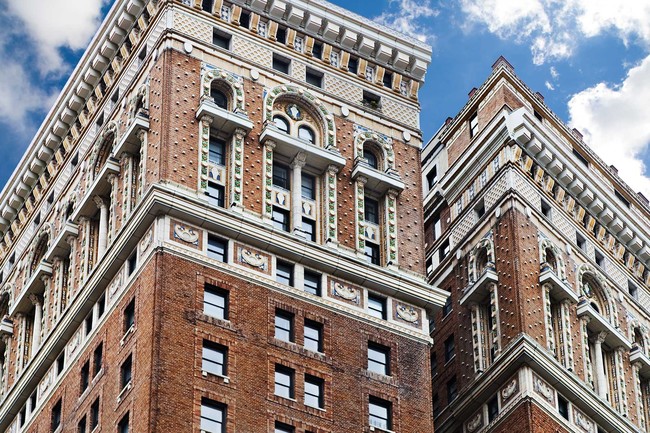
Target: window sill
x=226 y=379
x=223 y=323
x=125 y=391
x=127 y=335
x=450 y=360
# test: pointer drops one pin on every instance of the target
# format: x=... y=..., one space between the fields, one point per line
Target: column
x=68 y=282
x=38 y=319
x=361 y=215
x=57 y=284
x=548 y=315
x=269 y=145
x=103 y=226
x=236 y=170
x=565 y=328
x=636 y=376
x=4 y=368
x=331 y=236
x=111 y=218
x=296 y=192
x=599 y=365
x=391 y=227
x=22 y=330
x=477 y=331
x=204 y=151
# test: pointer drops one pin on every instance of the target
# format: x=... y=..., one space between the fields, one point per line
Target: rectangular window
x=308 y=186
x=546 y=209
x=446 y=309
x=372 y=254
x=281 y=35
x=101 y=305
x=581 y=158
x=88 y=323
x=56 y=415
x=371 y=100
x=563 y=406
x=313 y=77
x=379 y=413
x=473 y=125
x=281 y=218
x=371 y=210
x=81 y=426
x=432 y=177
x=493 y=408
x=581 y=242
x=388 y=79
x=437 y=226
x=312 y=283
x=94 y=414
x=314 y=387
x=600 y=259
x=377 y=306
x=245 y=20
x=378 y=358
x=281 y=427
x=217 y=248
x=126 y=372
x=123 y=426
x=281 y=176
x=353 y=65
x=317 y=50
x=85 y=376
x=60 y=363
x=207 y=5
x=449 y=348
x=313 y=336
x=213 y=416
x=444 y=250
x=129 y=316
x=132 y=263
x=217 y=151
x=216 y=194
x=221 y=39
x=452 y=390
x=284 y=273
x=284 y=381
x=281 y=64
x=632 y=289
x=215 y=302
x=214 y=358
x=309 y=229
x=98 y=359
x=434 y=364
x=284 y=325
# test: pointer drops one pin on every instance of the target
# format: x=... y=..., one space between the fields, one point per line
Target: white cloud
x=407 y=18
x=549 y=85
x=54 y=24
x=554 y=73
x=19 y=96
x=614 y=122
x=554 y=28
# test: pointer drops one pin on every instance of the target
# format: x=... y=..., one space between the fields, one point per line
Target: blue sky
x=589 y=58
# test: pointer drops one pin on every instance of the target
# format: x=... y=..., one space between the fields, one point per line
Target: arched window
x=481 y=261
x=551 y=260
x=307 y=134
x=39 y=253
x=638 y=338
x=281 y=123
x=371 y=159
x=219 y=97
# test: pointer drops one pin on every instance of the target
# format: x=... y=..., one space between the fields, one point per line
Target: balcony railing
x=597 y=324
x=33 y=286
x=378 y=181
x=479 y=290
x=100 y=187
x=637 y=355
x=223 y=120
x=559 y=290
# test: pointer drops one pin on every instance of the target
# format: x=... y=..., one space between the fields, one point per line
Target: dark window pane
x=215 y=302
x=308 y=186
x=307 y=134
x=217 y=152
x=371 y=210
x=281 y=123
x=217 y=248
x=312 y=283
x=281 y=176
x=377 y=306
x=281 y=219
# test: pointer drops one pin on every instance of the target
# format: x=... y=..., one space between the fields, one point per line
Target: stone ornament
x=346 y=292
x=509 y=390
x=186 y=234
x=543 y=389
x=407 y=313
x=147 y=240
x=582 y=421
x=254 y=259
x=474 y=423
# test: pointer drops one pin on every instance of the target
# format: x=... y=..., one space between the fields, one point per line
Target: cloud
x=406 y=16
x=554 y=73
x=549 y=85
x=614 y=122
x=554 y=28
x=54 y=24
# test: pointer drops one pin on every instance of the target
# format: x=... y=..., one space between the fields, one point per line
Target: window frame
x=316 y=327
x=218 y=408
x=318 y=384
x=284 y=273
x=315 y=282
x=376 y=365
x=283 y=372
x=217 y=248
x=280 y=330
x=383 y=405
x=378 y=300
x=218 y=293
x=220 y=368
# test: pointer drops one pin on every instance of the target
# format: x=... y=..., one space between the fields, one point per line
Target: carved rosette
x=391 y=206
x=330 y=193
x=237 y=170
x=268 y=178
x=361 y=232
x=204 y=149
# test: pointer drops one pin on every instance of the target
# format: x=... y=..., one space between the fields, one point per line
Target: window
x=632 y=289
x=452 y=390
x=217 y=150
x=284 y=273
x=214 y=358
x=388 y=79
x=436 y=405
x=284 y=381
x=313 y=77
x=379 y=413
x=60 y=363
x=317 y=50
x=312 y=283
x=563 y=406
x=377 y=306
x=378 y=359
x=581 y=242
x=281 y=176
x=132 y=262
x=449 y=348
x=281 y=218
x=283 y=325
x=371 y=100
x=581 y=158
x=88 y=322
x=206 y=5
x=480 y=208
x=473 y=125
x=308 y=228
x=56 y=415
x=493 y=408
x=281 y=427
x=94 y=414
x=621 y=198
x=281 y=64
x=123 y=426
x=307 y=134
x=434 y=364
x=546 y=209
x=245 y=20
x=217 y=248
x=126 y=372
x=213 y=416
x=281 y=35
x=371 y=158
x=308 y=186
x=81 y=426
x=221 y=39
x=129 y=316
x=98 y=359
x=85 y=376
x=216 y=194
x=444 y=250
x=215 y=302
x=101 y=305
x=371 y=210
x=283 y=125
x=446 y=309
x=313 y=336
x=353 y=65
x=314 y=387
x=600 y=260
x=432 y=176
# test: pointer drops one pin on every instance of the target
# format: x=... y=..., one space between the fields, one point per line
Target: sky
x=589 y=58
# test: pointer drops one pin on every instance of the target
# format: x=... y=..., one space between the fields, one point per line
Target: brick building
x=545 y=254
x=219 y=228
